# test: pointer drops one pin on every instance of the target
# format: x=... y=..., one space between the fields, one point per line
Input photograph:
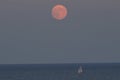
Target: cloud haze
x=29 y=34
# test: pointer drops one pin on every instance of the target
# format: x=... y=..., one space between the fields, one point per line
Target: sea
x=76 y=71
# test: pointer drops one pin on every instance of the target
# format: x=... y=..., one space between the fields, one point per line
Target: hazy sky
x=29 y=34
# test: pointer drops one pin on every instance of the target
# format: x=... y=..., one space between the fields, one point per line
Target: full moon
x=59 y=12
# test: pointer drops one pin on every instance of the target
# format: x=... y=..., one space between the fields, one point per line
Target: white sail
x=80 y=70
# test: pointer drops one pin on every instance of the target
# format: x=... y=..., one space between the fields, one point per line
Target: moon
x=59 y=12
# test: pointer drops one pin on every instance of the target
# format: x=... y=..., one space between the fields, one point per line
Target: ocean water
x=89 y=71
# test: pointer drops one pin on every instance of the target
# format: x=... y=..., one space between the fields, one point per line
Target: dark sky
x=89 y=33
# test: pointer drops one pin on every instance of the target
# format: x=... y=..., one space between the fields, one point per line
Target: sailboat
x=80 y=70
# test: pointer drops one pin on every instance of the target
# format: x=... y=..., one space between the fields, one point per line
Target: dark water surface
x=106 y=71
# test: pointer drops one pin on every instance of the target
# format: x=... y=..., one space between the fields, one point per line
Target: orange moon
x=59 y=12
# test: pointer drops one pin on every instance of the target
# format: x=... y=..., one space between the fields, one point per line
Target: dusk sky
x=29 y=34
